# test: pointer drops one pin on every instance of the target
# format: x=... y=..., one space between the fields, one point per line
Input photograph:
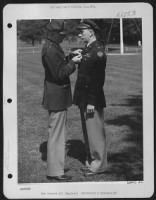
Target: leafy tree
x=31 y=30
x=34 y=30
x=110 y=30
x=132 y=30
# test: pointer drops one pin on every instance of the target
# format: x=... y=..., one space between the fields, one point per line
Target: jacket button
x=65 y=85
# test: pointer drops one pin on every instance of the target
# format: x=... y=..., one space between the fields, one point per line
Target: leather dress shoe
x=59 y=178
x=91 y=173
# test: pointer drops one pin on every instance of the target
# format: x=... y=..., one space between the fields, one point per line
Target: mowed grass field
x=123 y=122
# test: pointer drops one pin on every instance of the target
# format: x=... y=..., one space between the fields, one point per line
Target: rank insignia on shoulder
x=100 y=54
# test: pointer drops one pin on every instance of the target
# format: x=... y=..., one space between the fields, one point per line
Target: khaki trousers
x=97 y=141
x=56 y=143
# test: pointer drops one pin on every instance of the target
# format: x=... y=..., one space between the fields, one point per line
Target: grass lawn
x=123 y=122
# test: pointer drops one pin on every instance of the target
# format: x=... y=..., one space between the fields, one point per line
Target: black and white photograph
x=78 y=101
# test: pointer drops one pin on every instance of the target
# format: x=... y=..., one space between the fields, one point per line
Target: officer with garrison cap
x=89 y=97
x=57 y=97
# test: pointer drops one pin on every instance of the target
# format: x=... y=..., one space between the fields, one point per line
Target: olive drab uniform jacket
x=57 y=89
x=91 y=77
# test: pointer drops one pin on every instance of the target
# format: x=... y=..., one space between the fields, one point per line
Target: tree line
x=35 y=30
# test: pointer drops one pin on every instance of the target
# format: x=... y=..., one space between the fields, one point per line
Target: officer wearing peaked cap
x=89 y=97
x=57 y=97
x=87 y=23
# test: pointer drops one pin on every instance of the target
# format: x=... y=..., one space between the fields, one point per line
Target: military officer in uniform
x=57 y=97
x=89 y=96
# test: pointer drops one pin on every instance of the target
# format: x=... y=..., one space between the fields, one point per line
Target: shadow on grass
x=126 y=165
x=129 y=161
x=43 y=150
x=76 y=149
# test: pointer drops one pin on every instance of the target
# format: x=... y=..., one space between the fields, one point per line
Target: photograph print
x=80 y=100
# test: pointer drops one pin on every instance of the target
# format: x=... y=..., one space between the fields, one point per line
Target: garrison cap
x=57 y=25
x=88 y=24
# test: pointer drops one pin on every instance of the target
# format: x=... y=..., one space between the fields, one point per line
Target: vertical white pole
x=121 y=36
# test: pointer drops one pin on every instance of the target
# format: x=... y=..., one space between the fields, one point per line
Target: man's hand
x=90 y=108
x=77 y=51
x=77 y=59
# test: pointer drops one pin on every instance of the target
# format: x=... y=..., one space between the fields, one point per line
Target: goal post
x=121 y=37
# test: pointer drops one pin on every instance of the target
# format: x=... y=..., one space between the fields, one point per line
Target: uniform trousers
x=56 y=143
x=97 y=141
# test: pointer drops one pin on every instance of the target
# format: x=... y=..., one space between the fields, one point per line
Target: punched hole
x=10 y=175
x=9 y=25
x=9 y=100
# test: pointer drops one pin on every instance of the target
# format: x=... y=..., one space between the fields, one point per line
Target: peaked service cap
x=57 y=25
x=88 y=24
